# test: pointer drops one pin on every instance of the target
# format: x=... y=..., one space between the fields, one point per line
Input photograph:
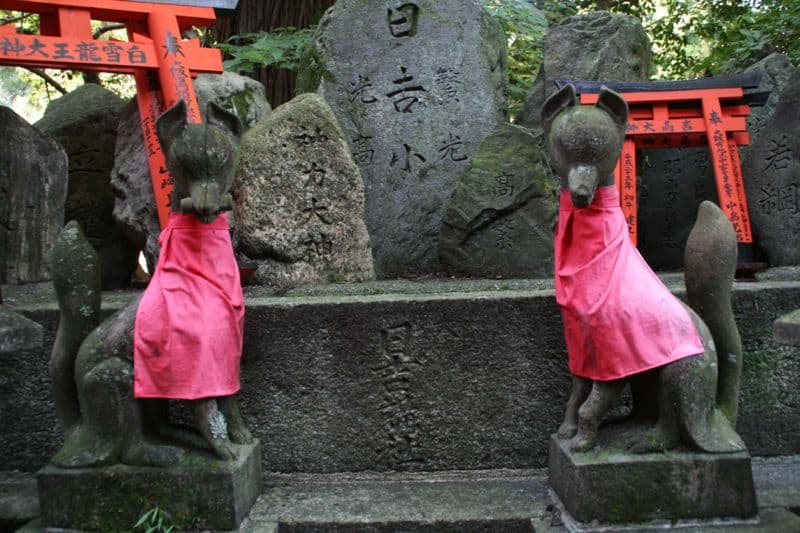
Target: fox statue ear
x=614 y=105
x=558 y=102
x=170 y=125
x=224 y=119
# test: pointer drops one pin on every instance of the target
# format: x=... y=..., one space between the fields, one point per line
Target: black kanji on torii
x=172 y=46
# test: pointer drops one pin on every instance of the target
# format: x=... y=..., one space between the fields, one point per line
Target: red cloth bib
x=187 y=340
x=619 y=318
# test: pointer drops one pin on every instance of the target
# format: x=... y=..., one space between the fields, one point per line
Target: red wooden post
x=727 y=189
x=628 y=193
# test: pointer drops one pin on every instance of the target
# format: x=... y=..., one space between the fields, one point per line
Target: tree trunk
x=267 y=15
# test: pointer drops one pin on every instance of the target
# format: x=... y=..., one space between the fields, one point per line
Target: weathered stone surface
x=18 y=332
x=611 y=486
x=201 y=493
x=770 y=171
x=414 y=112
x=85 y=123
x=243 y=96
x=447 y=502
x=672 y=184
x=134 y=201
x=776 y=69
x=491 y=387
x=33 y=186
x=299 y=199
x=500 y=219
x=134 y=205
x=597 y=46
x=787 y=329
x=19 y=502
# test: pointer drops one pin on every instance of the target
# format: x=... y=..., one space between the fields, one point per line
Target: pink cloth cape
x=187 y=339
x=619 y=318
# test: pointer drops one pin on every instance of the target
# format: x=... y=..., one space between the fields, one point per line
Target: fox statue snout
x=206 y=202
x=582 y=182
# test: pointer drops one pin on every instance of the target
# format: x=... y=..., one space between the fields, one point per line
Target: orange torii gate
x=161 y=61
x=707 y=112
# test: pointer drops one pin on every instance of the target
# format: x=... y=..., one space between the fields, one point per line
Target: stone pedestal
x=609 y=485
x=200 y=492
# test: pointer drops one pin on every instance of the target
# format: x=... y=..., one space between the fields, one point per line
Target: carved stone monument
x=299 y=199
x=673 y=184
x=770 y=170
x=85 y=123
x=416 y=85
x=499 y=222
x=33 y=186
x=121 y=456
x=677 y=456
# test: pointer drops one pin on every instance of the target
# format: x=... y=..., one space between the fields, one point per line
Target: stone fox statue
x=621 y=323
x=109 y=410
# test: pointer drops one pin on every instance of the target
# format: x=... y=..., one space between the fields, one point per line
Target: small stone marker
x=299 y=199
x=33 y=186
x=500 y=220
x=770 y=172
x=416 y=85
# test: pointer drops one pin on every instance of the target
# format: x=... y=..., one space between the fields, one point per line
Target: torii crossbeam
x=156 y=53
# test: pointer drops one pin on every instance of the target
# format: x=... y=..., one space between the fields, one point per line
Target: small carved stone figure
x=621 y=323
x=188 y=325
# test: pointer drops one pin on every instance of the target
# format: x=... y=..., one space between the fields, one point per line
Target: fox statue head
x=201 y=158
x=584 y=142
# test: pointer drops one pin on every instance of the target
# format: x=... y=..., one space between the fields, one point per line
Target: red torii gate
x=707 y=112
x=161 y=61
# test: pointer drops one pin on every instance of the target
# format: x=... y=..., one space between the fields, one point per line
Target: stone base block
x=611 y=486
x=201 y=492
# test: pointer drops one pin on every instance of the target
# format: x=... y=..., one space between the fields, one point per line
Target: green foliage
x=155 y=520
x=711 y=37
x=524 y=26
x=281 y=48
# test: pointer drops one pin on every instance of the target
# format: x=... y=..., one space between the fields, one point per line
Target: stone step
x=409 y=376
x=493 y=500
x=442 y=502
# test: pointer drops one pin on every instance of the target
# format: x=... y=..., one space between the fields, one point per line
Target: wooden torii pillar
x=160 y=59
x=709 y=112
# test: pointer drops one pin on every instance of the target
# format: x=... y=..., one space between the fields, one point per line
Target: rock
x=239 y=94
x=672 y=184
x=33 y=186
x=775 y=72
x=134 y=207
x=597 y=46
x=85 y=123
x=500 y=220
x=415 y=89
x=134 y=202
x=770 y=170
x=299 y=199
x=18 y=333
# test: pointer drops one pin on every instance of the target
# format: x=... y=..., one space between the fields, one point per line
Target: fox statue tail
x=709 y=267
x=75 y=269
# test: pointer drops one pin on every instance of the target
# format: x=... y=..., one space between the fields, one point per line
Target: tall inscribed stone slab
x=33 y=186
x=771 y=171
x=416 y=86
